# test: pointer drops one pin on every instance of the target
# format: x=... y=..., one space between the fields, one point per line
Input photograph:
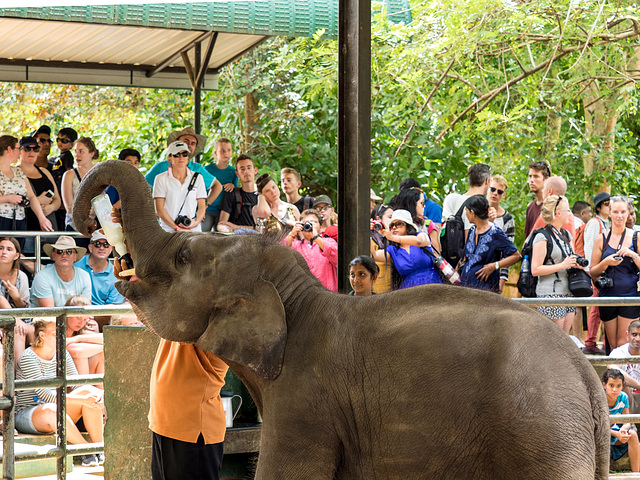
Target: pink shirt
x=322 y=263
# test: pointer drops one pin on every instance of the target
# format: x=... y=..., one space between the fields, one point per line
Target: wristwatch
x=497 y=265
x=313 y=239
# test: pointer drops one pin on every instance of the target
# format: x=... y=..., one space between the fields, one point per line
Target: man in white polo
x=55 y=283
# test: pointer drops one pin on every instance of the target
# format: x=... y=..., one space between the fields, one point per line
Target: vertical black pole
x=196 y=92
x=354 y=133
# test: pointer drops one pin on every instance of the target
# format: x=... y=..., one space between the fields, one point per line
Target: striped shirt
x=31 y=366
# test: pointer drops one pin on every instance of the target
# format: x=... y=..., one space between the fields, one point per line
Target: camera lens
x=307 y=227
x=377 y=226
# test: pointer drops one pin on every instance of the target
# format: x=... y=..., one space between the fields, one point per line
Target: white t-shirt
x=452 y=204
x=632 y=370
x=168 y=187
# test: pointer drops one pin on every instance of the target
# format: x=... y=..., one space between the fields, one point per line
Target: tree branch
x=424 y=106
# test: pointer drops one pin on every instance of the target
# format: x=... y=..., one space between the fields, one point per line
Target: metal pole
x=61 y=372
x=196 y=92
x=354 y=133
x=8 y=416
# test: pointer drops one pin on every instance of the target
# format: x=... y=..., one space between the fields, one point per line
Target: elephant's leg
x=303 y=455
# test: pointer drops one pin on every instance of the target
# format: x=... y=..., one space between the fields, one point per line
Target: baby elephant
x=432 y=382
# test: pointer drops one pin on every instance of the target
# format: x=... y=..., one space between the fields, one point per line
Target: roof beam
x=207 y=58
x=165 y=63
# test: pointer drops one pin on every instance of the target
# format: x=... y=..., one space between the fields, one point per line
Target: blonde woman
x=36 y=408
x=552 y=271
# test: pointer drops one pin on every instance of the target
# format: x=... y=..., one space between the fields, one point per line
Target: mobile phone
x=618 y=257
x=49 y=194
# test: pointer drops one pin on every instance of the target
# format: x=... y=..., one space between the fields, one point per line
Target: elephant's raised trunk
x=138 y=211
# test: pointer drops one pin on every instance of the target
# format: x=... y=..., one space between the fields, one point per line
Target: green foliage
x=424 y=124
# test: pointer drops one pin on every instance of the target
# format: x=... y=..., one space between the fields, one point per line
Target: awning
x=152 y=45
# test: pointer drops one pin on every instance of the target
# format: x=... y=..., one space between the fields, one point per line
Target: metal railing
x=38 y=236
x=60 y=382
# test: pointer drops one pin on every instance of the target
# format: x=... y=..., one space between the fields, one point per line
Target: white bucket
x=227 y=404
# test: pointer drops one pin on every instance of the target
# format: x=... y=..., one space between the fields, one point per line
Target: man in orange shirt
x=186 y=414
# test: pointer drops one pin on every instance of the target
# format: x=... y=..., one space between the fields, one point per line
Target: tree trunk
x=250 y=119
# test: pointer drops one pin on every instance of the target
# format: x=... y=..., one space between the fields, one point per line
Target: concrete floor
x=79 y=473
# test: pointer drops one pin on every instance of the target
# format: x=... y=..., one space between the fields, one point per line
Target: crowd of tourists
x=469 y=241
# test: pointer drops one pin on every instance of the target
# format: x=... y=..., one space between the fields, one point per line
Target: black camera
x=307 y=227
x=24 y=202
x=604 y=282
x=182 y=219
x=581 y=261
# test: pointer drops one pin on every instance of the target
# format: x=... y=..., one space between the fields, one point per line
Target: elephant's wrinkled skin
x=432 y=382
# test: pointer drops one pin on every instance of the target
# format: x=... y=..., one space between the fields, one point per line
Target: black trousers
x=176 y=460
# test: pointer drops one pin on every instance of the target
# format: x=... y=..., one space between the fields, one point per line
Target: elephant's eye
x=184 y=257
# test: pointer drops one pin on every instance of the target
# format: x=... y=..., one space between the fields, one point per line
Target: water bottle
x=526 y=265
x=447 y=270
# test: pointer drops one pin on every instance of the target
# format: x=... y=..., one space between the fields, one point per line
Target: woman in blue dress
x=487 y=249
x=410 y=264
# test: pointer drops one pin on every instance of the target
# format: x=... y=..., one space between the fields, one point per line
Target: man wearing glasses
x=54 y=284
x=43 y=137
x=538 y=173
x=97 y=265
x=323 y=205
x=504 y=220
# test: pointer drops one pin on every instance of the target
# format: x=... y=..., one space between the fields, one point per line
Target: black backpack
x=527 y=283
x=452 y=238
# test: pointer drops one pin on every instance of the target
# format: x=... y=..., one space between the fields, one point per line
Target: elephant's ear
x=250 y=330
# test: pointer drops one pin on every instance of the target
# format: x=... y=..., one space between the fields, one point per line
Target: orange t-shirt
x=569 y=226
x=185 y=393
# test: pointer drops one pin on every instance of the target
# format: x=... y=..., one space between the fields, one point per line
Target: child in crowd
x=226 y=175
x=624 y=439
x=291 y=182
x=363 y=273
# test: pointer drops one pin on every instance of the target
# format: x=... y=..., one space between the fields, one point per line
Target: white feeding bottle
x=112 y=230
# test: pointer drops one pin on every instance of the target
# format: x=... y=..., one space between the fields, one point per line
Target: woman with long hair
x=15 y=190
x=270 y=208
x=487 y=249
x=616 y=258
x=44 y=188
x=412 y=200
x=14 y=292
x=36 y=408
x=410 y=264
x=381 y=217
x=86 y=152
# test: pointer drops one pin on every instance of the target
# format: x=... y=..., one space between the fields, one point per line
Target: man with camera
x=320 y=253
x=179 y=193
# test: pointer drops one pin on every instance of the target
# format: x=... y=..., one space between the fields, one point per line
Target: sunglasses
x=606 y=203
x=68 y=251
x=30 y=149
x=544 y=165
x=63 y=140
x=44 y=140
x=396 y=225
x=100 y=244
x=180 y=154
x=500 y=192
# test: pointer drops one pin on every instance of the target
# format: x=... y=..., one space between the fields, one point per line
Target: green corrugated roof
x=300 y=18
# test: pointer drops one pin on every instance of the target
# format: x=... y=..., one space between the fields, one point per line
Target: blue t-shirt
x=103 y=290
x=163 y=166
x=622 y=402
x=492 y=246
x=432 y=210
x=47 y=284
x=224 y=176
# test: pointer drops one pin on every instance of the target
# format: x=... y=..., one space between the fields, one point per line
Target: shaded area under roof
x=153 y=45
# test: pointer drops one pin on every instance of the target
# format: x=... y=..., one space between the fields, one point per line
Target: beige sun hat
x=200 y=139
x=64 y=242
x=403 y=216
